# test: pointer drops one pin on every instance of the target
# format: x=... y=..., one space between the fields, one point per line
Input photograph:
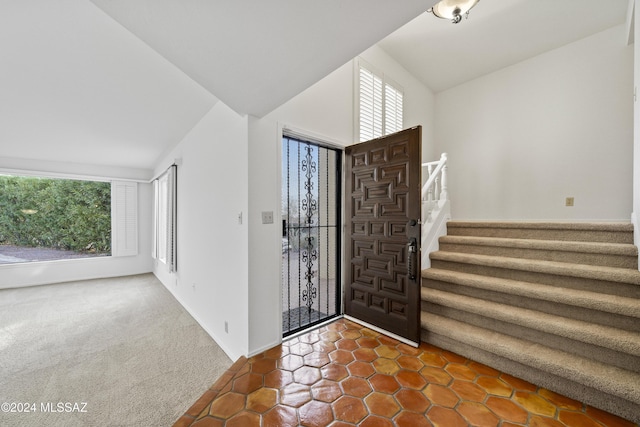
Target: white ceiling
x=120 y=82
x=256 y=54
x=497 y=33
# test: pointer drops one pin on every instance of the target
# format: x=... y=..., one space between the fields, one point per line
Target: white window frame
x=391 y=109
x=164 y=219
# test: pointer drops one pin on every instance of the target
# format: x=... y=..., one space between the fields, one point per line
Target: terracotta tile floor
x=343 y=374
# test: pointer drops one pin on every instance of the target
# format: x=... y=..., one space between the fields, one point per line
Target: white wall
x=635 y=18
x=522 y=139
x=325 y=110
x=212 y=270
x=46 y=272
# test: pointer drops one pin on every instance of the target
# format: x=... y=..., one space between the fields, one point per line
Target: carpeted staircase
x=557 y=304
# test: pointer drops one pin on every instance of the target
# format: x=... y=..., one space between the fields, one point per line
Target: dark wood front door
x=382 y=213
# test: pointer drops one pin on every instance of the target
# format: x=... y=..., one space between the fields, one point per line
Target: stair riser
x=573 y=346
x=608 y=260
x=571 y=312
x=543 y=234
x=591 y=396
x=592 y=285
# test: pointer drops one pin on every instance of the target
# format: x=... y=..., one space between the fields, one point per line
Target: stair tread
x=607 y=378
x=612 y=274
x=605 y=336
x=592 y=300
x=549 y=245
x=556 y=225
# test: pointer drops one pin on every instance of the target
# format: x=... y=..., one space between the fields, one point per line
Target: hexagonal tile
x=352 y=334
x=468 y=390
x=349 y=409
x=243 y=419
x=206 y=422
x=356 y=387
x=331 y=336
x=280 y=416
x=326 y=391
x=368 y=342
x=494 y=386
x=316 y=359
x=382 y=404
x=263 y=366
x=408 y=350
x=386 y=366
x=310 y=338
x=387 y=352
x=445 y=417
x=410 y=362
x=557 y=399
x=411 y=419
x=388 y=341
x=411 y=379
x=278 y=378
x=433 y=359
x=295 y=395
x=384 y=383
x=576 y=419
x=227 y=405
x=534 y=403
x=346 y=344
x=315 y=414
x=412 y=400
x=365 y=355
x=440 y=395
x=453 y=357
x=360 y=369
x=247 y=383
x=324 y=346
x=538 y=421
x=343 y=357
x=508 y=410
x=334 y=372
x=290 y=362
x=307 y=375
x=459 y=371
x=607 y=419
x=376 y=421
x=301 y=349
x=262 y=400
x=483 y=369
x=477 y=414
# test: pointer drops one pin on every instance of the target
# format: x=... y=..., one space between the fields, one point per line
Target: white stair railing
x=435 y=207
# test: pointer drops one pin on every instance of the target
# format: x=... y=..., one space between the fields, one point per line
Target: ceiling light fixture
x=453 y=9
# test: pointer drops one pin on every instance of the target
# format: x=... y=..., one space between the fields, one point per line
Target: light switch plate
x=267 y=217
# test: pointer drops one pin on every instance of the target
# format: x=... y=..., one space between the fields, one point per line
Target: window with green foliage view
x=45 y=219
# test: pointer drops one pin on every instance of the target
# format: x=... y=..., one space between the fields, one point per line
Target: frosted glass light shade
x=452 y=9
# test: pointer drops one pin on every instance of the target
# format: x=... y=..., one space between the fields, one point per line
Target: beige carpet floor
x=108 y=352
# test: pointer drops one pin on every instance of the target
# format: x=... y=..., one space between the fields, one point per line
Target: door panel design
x=382 y=217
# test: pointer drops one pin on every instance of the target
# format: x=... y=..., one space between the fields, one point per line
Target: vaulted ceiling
x=119 y=82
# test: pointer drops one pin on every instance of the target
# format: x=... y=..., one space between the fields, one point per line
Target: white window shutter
x=393 y=117
x=124 y=218
x=370 y=105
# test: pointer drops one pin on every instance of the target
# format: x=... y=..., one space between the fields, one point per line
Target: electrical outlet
x=568 y=201
x=267 y=217
x=226 y=326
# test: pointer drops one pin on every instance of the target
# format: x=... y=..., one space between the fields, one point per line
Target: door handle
x=412 y=250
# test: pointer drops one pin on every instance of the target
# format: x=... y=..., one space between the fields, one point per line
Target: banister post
x=444 y=194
